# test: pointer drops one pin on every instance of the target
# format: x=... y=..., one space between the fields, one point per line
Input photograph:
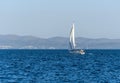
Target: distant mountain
x=31 y=42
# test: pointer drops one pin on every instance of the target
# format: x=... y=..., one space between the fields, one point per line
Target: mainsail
x=72 y=38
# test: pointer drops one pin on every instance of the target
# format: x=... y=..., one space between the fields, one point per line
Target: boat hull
x=77 y=51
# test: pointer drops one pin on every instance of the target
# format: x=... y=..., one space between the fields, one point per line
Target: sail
x=72 y=38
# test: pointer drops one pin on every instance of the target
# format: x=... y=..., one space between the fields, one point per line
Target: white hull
x=82 y=52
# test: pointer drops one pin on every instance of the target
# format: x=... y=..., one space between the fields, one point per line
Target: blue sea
x=59 y=66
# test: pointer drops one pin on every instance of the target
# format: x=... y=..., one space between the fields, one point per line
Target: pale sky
x=50 y=18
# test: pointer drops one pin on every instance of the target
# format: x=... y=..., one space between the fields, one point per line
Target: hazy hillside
x=30 y=42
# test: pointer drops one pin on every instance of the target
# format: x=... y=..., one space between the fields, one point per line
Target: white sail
x=72 y=38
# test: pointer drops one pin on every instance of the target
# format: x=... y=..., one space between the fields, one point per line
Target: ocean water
x=59 y=66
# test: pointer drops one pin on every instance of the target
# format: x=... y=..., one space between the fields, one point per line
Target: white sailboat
x=72 y=42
